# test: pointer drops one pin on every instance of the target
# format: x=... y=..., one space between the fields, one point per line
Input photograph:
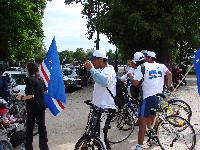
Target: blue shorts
x=146 y=105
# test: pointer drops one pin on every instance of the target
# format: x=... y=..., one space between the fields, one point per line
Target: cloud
x=65 y=22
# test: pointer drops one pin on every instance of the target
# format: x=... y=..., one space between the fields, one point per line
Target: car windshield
x=19 y=78
x=67 y=72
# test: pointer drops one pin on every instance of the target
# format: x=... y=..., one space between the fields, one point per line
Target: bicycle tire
x=120 y=128
x=181 y=108
x=171 y=137
x=5 y=145
x=93 y=142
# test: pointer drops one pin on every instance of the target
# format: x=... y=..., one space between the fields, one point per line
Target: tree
x=66 y=56
x=79 y=55
x=153 y=24
x=21 y=29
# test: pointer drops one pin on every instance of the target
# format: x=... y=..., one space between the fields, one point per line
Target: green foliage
x=79 y=55
x=66 y=56
x=21 y=29
x=154 y=24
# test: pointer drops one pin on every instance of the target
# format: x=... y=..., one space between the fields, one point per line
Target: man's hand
x=88 y=65
x=130 y=75
x=19 y=97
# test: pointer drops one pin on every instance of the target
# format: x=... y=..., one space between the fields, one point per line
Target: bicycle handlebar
x=89 y=103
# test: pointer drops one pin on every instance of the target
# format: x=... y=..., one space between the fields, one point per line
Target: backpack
x=121 y=97
x=136 y=91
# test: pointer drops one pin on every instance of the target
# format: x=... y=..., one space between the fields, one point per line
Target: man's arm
x=134 y=82
x=101 y=79
x=169 y=78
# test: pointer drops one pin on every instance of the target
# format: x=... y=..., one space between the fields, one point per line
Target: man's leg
x=106 y=128
x=143 y=118
x=142 y=130
x=150 y=121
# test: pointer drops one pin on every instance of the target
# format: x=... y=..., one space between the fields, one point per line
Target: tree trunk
x=164 y=55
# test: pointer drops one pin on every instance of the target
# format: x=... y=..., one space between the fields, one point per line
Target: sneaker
x=137 y=147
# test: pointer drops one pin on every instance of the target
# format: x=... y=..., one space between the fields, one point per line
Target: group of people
x=143 y=71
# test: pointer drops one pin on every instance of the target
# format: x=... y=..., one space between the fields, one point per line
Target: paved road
x=65 y=129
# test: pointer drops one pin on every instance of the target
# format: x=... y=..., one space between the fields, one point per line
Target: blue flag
x=196 y=62
x=50 y=71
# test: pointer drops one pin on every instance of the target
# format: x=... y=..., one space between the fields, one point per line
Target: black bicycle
x=123 y=123
x=91 y=138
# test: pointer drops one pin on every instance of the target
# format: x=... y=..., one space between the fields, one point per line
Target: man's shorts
x=147 y=104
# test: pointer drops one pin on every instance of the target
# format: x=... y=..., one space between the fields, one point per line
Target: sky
x=65 y=22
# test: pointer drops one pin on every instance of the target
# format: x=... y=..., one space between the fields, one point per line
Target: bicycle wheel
x=89 y=142
x=180 y=108
x=120 y=128
x=5 y=145
x=172 y=137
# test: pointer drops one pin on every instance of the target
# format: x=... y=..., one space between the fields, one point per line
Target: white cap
x=100 y=53
x=138 y=56
x=144 y=52
x=151 y=54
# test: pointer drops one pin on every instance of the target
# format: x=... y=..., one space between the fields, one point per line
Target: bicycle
x=125 y=118
x=91 y=138
x=18 y=109
x=168 y=131
x=122 y=124
x=176 y=106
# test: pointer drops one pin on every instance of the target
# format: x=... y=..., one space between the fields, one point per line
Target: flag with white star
x=50 y=71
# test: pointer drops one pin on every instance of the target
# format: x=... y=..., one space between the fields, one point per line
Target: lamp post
x=97 y=28
x=116 y=61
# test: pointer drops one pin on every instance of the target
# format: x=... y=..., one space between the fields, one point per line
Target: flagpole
x=183 y=78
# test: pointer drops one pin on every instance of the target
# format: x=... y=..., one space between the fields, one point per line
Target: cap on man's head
x=151 y=54
x=144 y=52
x=100 y=54
x=138 y=56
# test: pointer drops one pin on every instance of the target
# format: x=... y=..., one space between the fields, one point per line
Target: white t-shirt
x=125 y=77
x=153 y=78
x=101 y=96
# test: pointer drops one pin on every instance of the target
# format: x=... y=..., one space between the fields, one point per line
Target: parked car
x=71 y=80
x=14 y=69
x=17 y=80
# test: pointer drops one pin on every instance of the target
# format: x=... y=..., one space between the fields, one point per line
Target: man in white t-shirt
x=132 y=91
x=104 y=76
x=151 y=58
x=152 y=83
